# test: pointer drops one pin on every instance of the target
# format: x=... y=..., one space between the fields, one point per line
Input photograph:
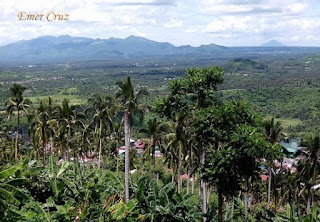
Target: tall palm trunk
x=246 y=199
x=232 y=209
x=157 y=179
x=227 y=211
x=203 y=199
x=312 y=197
x=309 y=200
x=189 y=169
x=67 y=152
x=100 y=148
x=52 y=144
x=208 y=195
x=220 y=203
x=38 y=152
x=153 y=156
x=117 y=163
x=44 y=151
x=127 y=150
x=269 y=187
x=179 y=167
x=192 y=184
x=17 y=137
x=179 y=176
x=188 y=182
x=100 y=144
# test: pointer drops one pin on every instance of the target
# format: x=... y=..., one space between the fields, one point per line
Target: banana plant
x=122 y=210
x=164 y=203
x=11 y=194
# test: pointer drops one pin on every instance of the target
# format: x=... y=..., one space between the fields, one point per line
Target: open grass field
x=286 y=122
x=58 y=98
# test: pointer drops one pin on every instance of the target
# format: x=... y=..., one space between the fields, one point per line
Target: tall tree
x=233 y=163
x=41 y=127
x=129 y=105
x=175 y=151
x=273 y=132
x=102 y=117
x=214 y=128
x=83 y=135
x=19 y=104
x=155 y=130
x=118 y=137
x=63 y=123
x=310 y=166
x=202 y=82
x=196 y=90
x=5 y=144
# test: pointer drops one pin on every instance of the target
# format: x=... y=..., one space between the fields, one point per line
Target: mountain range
x=79 y=48
x=67 y=48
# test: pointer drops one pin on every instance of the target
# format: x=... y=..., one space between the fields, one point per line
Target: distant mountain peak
x=273 y=43
x=134 y=37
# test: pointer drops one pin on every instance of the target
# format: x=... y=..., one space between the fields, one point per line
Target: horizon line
x=230 y=46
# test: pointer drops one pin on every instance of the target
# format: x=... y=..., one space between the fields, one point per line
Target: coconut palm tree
x=176 y=148
x=273 y=132
x=288 y=185
x=170 y=150
x=63 y=122
x=17 y=103
x=192 y=160
x=129 y=105
x=42 y=127
x=117 y=135
x=154 y=130
x=83 y=135
x=5 y=143
x=102 y=112
x=310 y=166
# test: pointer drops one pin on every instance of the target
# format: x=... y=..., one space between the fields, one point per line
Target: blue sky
x=180 y=22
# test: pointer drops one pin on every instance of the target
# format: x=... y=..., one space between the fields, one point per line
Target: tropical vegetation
x=69 y=168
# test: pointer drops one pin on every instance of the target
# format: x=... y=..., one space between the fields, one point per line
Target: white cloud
x=90 y=15
x=191 y=30
x=297 y=7
x=173 y=23
x=230 y=24
x=222 y=7
x=140 y=2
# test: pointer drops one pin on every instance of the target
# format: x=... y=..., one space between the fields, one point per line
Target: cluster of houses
x=290 y=163
x=138 y=145
x=140 y=148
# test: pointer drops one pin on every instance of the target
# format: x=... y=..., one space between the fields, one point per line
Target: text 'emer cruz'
x=50 y=16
